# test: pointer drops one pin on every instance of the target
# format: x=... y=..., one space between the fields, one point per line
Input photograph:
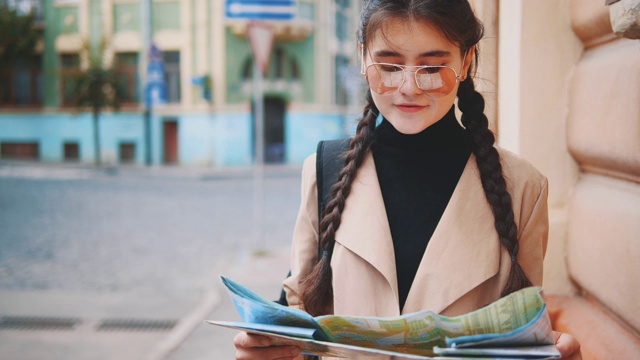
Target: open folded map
x=515 y=326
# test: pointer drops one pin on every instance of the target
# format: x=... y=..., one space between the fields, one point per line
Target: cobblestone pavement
x=90 y=244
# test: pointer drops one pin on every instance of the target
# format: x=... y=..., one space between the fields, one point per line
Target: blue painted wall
x=218 y=140
x=303 y=131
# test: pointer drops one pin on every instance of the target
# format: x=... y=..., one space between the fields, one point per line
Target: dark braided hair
x=459 y=25
x=471 y=103
x=317 y=290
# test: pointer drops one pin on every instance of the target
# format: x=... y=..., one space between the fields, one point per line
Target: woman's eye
x=429 y=69
x=390 y=68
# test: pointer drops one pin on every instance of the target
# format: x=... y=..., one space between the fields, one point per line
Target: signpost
x=261 y=41
x=261 y=37
x=155 y=93
x=154 y=89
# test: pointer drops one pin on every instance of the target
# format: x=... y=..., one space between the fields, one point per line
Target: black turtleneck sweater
x=418 y=174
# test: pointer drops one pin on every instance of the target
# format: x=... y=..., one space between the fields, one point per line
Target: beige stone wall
x=569 y=102
x=604 y=137
x=538 y=53
x=486 y=77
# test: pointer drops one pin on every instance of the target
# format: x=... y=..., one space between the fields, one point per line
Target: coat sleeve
x=534 y=230
x=304 y=245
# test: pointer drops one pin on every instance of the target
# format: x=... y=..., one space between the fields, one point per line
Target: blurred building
x=309 y=89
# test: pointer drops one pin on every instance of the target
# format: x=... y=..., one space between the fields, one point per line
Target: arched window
x=280 y=60
x=247 y=69
x=295 y=69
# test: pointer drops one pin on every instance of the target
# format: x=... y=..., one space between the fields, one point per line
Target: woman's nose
x=410 y=86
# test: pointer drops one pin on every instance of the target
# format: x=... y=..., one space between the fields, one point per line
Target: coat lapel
x=364 y=229
x=463 y=252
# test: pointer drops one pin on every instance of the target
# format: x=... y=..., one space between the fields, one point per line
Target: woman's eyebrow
x=391 y=53
x=386 y=53
x=436 y=53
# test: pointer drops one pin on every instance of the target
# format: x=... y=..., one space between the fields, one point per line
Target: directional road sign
x=261 y=9
x=156 y=89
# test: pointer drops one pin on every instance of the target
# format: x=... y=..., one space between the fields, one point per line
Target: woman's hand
x=568 y=346
x=256 y=347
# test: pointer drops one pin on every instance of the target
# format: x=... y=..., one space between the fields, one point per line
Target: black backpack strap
x=283 y=295
x=329 y=162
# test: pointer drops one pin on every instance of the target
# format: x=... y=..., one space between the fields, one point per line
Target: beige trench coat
x=463 y=268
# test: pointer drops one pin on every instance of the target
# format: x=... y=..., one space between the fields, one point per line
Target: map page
x=519 y=319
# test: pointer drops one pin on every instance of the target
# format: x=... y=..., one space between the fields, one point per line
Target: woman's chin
x=411 y=126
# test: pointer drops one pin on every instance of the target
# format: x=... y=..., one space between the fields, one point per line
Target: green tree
x=97 y=88
x=18 y=38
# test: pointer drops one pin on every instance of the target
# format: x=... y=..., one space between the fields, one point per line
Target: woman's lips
x=410 y=108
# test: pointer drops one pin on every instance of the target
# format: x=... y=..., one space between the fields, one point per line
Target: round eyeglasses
x=436 y=81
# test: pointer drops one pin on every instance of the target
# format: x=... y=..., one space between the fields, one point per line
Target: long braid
x=317 y=288
x=471 y=103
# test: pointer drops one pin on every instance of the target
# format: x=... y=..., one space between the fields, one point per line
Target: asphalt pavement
x=124 y=262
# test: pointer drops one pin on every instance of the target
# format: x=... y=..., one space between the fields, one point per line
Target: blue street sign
x=261 y=9
x=155 y=55
x=197 y=80
x=156 y=89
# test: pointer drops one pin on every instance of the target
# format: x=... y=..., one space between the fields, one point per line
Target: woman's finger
x=256 y=347
x=568 y=346
x=246 y=340
x=268 y=353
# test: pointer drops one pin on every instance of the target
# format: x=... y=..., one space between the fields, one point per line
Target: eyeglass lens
x=436 y=81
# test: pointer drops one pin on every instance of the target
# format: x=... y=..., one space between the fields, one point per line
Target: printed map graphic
x=519 y=319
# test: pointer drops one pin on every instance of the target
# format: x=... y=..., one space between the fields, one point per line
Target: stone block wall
x=603 y=136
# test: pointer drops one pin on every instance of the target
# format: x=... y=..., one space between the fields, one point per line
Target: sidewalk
x=260 y=273
x=77 y=334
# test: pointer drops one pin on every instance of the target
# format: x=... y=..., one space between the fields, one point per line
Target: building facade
x=310 y=88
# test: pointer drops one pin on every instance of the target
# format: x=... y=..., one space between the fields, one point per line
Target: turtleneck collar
x=446 y=133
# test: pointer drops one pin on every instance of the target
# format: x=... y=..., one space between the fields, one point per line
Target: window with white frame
x=172 y=75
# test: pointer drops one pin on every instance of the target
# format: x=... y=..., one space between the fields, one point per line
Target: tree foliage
x=97 y=88
x=18 y=35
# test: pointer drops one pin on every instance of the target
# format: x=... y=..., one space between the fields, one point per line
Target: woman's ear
x=468 y=58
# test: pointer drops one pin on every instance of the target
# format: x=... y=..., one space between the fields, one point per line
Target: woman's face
x=410 y=109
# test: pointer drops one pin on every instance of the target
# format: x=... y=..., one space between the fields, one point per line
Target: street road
x=138 y=230
x=156 y=233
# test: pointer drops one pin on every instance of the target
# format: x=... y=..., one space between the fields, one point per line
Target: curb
x=237 y=266
x=21 y=169
x=186 y=325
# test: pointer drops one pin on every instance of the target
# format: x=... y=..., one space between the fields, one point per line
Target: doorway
x=274 y=147
x=170 y=141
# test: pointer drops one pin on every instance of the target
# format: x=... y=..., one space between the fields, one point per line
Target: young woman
x=427 y=213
